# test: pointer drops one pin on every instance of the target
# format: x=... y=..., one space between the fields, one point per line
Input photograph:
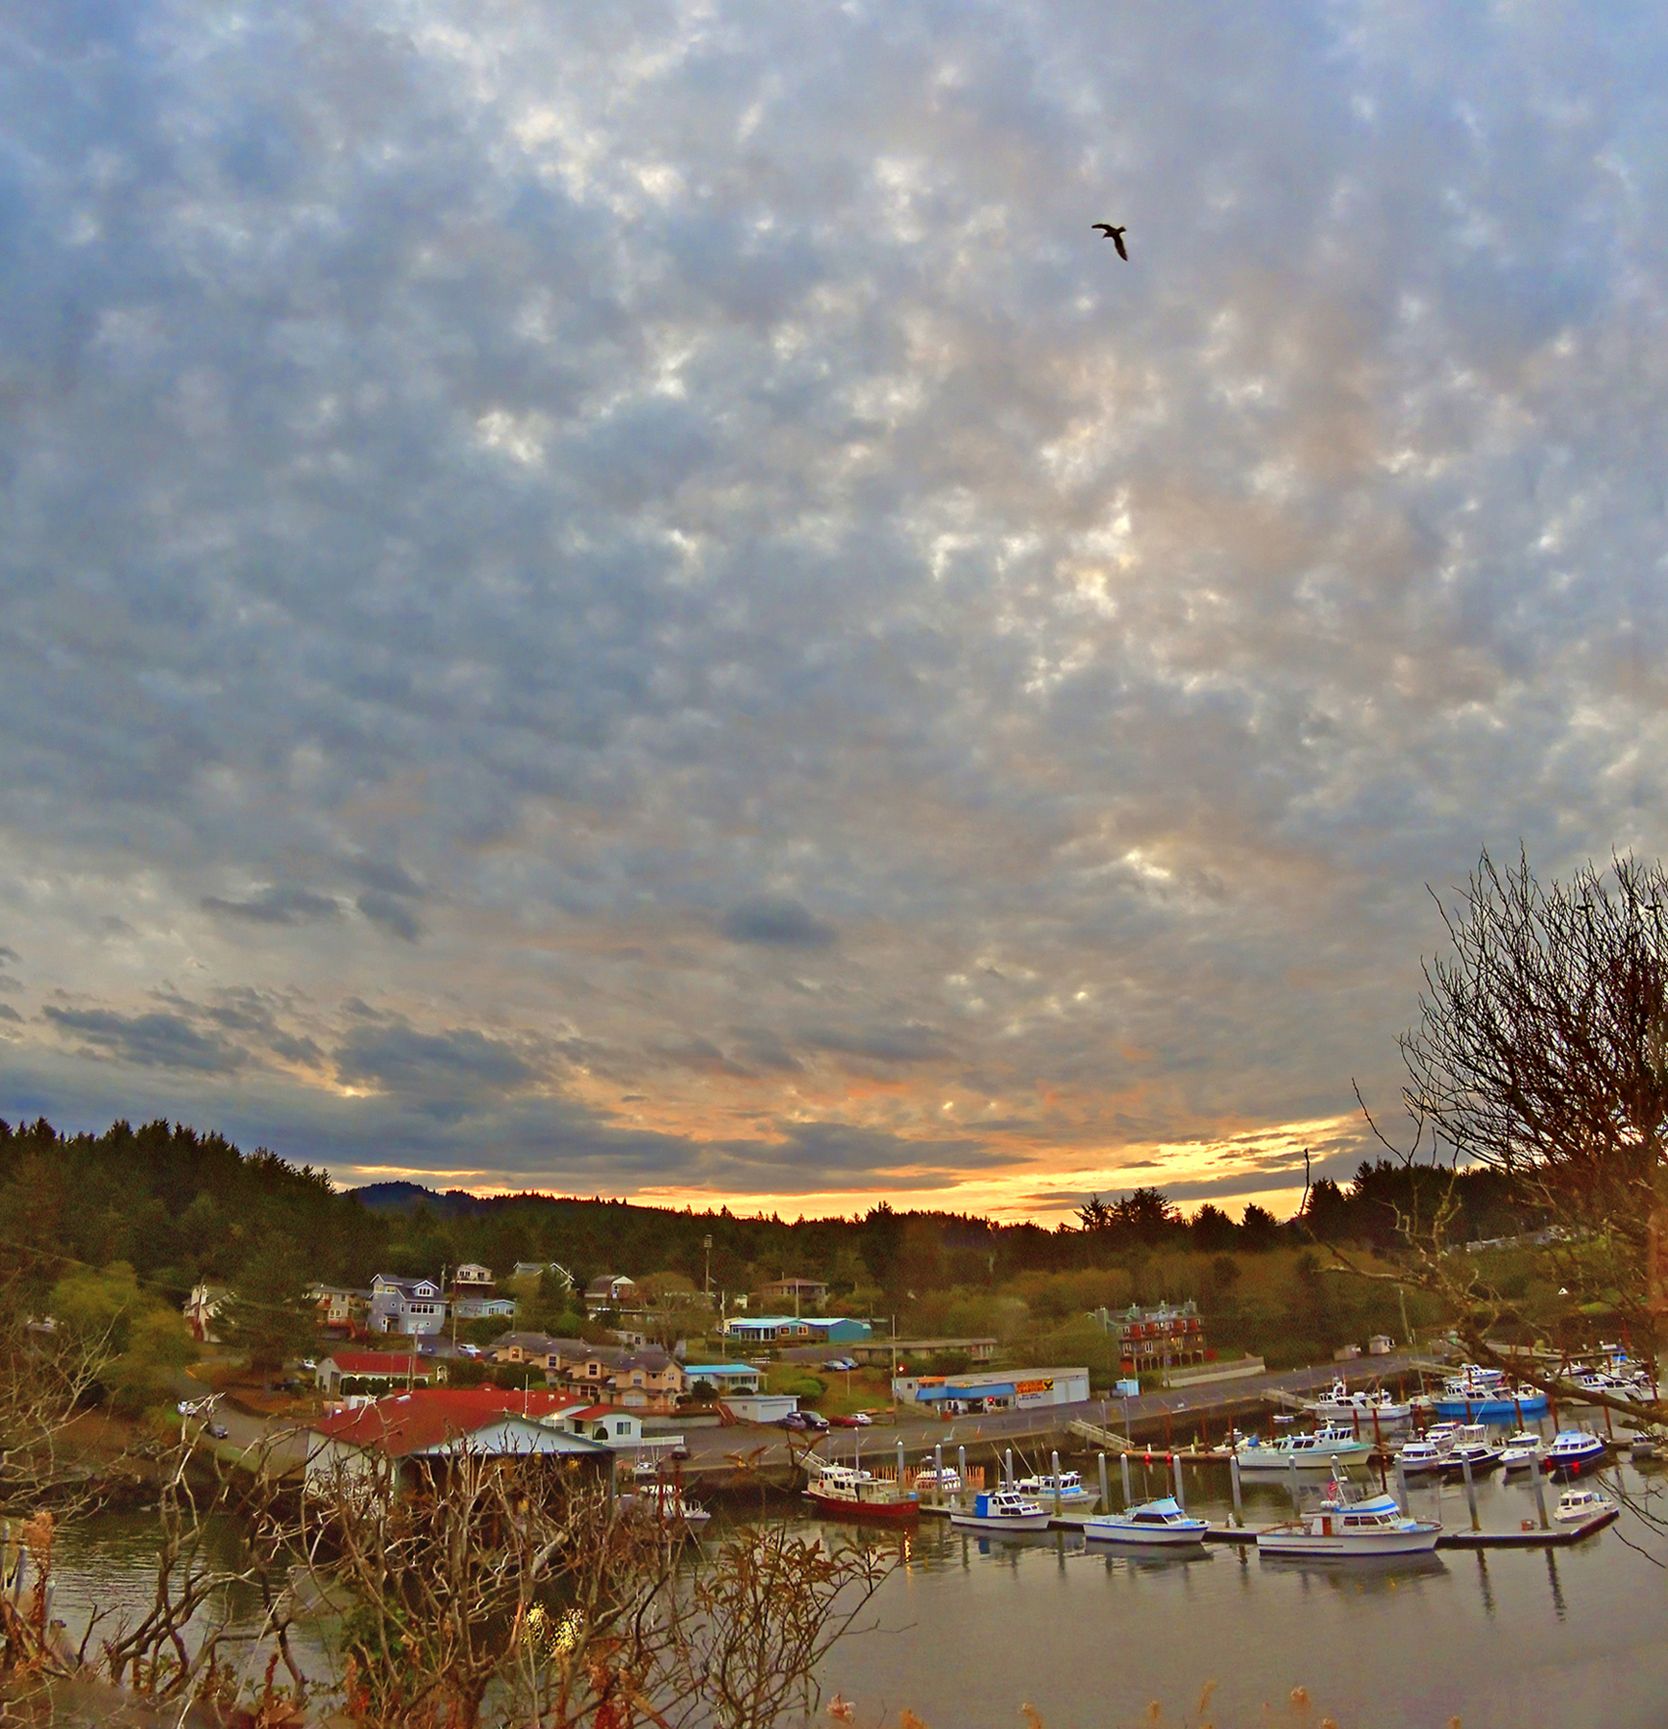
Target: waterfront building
x=425 y=1427
x=984 y=1390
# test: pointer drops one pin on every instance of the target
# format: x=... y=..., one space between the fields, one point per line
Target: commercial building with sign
x=979 y=1390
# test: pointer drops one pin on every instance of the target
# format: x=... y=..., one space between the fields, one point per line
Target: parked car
x=814 y=1419
x=840 y=1363
x=794 y=1420
x=857 y=1420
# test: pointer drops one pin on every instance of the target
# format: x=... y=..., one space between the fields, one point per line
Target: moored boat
x=1161 y=1523
x=1574 y=1451
x=667 y=1502
x=848 y=1492
x=1421 y=1458
x=1521 y=1451
x=1576 y=1506
x=1342 y=1528
x=1001 y=1510
x=1340 y=1405
x=1066 y=1488
x=1313 y=1452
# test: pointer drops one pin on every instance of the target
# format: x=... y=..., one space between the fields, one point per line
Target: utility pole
x=706 y=1280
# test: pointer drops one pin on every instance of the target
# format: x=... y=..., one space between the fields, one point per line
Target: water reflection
x=1558 y=1606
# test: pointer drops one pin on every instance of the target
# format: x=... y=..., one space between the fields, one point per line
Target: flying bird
x=1115 y=235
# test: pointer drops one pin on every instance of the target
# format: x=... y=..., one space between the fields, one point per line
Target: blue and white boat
x=1001 y=1510
x=1489 y=1401
x=1574 y=1451
x=1153 y=1523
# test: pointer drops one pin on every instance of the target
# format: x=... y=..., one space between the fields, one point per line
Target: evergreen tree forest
x=180 y=1206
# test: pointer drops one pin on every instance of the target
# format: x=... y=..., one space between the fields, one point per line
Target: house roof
x=605 y=1281
x=419 y=1421
x=378 y=1363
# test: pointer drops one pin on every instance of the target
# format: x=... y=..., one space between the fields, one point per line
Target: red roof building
x=441 y=1421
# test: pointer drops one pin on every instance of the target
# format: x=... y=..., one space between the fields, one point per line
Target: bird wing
x=1102 y=228
x=1118 y=241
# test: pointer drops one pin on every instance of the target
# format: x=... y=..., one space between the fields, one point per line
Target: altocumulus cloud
x=652 y=549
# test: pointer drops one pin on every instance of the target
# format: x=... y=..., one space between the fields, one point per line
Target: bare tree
x=1542 y=1050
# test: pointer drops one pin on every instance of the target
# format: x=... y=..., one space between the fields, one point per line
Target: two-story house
x=646 y=1380
x=414 y=1306
x=342 y=1310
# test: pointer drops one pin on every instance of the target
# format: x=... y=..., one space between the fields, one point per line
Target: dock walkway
x=1553 y=1537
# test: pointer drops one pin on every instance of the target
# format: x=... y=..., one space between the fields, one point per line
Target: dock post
x=961 y=1463
x=1105 y=1491
x=1297 y=1498
x=1176 y=1472
x=900 y=1463
x=1054 y=1466
x=1123 y=1465
x=1401 y=1483
x=938 y=1470
x=1470 y=1491
x=1540 y=1494
x=1007 y=1466
x=1233 y=1484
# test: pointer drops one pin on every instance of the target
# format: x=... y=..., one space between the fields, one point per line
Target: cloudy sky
x=623 y=598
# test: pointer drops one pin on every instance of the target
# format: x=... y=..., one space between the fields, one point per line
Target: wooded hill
x=180 y=1205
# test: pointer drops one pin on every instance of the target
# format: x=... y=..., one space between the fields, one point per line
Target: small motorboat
x=1471 y=1447
x=1001 y=1510
x=667 y=1502
x=1574 y=1451
x=1577 y=1506
x=935 y=1483
x=1153 y=1523
x=1067 y=1489
x=1421 y=1458
x=1521 y=1451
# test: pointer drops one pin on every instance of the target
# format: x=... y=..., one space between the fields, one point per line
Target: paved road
x=717 y=1454
x=715 y=1451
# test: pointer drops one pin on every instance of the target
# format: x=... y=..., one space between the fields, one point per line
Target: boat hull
x=1268 y=1461
x=1141 y=1536
x=1490 y=1410
x=1009 y=1522
x=1315 y=1547
x=904 y=1511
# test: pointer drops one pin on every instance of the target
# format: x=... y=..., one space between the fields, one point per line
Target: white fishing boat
x=1471 y=1447
x=1421 y=1458
x=1342 y=1406
x=1160 y=1523
x=1312 y=1452
x=1066 y=1488
x=1576 y=1506
x=935 y=1483
x=1521 y=1451
x=1001 y=1510
x=1342 y=1528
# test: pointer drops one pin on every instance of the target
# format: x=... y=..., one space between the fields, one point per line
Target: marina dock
x=1554 y=1537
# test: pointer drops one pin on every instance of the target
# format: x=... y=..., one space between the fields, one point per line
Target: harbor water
x=970 y=1628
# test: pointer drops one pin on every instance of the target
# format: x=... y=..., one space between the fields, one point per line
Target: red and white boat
x=849 y=1492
